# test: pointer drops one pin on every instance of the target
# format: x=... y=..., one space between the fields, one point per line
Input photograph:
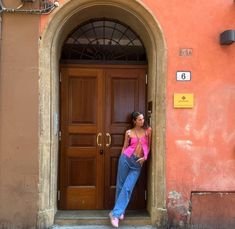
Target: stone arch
x=60 y=24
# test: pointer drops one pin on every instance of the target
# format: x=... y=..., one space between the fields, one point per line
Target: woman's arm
x=149 y=132
x=126 y=141
x=144 y=158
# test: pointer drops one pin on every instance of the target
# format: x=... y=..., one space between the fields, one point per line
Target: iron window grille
x=103 y=41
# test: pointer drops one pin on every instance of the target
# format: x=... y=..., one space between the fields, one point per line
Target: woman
x=134 y=153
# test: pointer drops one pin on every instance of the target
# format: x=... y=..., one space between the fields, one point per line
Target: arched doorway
x=103 y=79
x=140 y=19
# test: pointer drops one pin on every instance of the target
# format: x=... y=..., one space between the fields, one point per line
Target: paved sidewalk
x=101 y=227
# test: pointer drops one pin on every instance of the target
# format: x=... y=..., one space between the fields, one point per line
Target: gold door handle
x=98 y=138
x=109 y=139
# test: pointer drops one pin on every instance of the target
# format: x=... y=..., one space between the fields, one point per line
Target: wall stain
x=178 y=210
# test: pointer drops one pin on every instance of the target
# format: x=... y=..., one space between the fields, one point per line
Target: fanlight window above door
x=103 y=41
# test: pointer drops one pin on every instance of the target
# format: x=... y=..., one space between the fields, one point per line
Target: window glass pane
x=105 y=40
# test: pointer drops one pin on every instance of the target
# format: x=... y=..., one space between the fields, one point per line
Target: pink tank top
x=144 y=141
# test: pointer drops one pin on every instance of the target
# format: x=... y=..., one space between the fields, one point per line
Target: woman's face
x=139 y=121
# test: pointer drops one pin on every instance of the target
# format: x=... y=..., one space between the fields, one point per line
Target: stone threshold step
x=100 y=217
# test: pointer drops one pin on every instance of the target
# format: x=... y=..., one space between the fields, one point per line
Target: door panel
x=82 y=105
x=81 y=119
x=125 y=93
x=95 y=109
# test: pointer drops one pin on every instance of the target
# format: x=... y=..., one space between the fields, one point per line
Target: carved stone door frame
x=60 y=24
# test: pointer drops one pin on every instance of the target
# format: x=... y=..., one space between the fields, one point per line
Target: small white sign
x=183 y=76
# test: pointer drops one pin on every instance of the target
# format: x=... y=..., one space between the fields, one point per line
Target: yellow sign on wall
x=182 y=100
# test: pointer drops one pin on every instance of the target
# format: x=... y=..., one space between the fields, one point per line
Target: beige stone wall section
x=60 y=24
x=19 y=121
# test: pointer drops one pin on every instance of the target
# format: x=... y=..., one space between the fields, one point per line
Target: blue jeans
x=128 y=173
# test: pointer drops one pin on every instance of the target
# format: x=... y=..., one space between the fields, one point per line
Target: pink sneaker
x=114 y=221
x=121 y=217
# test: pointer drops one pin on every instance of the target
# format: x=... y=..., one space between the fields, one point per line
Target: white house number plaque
x=183 y=76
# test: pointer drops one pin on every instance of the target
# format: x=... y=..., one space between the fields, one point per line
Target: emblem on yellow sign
x=182 y=100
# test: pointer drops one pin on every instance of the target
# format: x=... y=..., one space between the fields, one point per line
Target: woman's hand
x=141 y=160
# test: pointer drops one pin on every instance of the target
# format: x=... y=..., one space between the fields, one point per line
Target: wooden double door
x=96 y=104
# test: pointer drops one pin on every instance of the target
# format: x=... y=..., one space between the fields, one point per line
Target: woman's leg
x=122 y=173
x=126 y=191
x=123 y=169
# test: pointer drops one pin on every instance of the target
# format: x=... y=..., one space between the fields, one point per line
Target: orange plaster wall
x=19 y=164
x=200 y=142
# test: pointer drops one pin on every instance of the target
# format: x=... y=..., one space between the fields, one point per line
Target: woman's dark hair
x=134 y=116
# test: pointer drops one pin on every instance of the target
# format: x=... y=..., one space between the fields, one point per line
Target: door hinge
x=58 y=195
x=60 y=77
x=145 y=194
x=146 y=79
x=59 y=135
